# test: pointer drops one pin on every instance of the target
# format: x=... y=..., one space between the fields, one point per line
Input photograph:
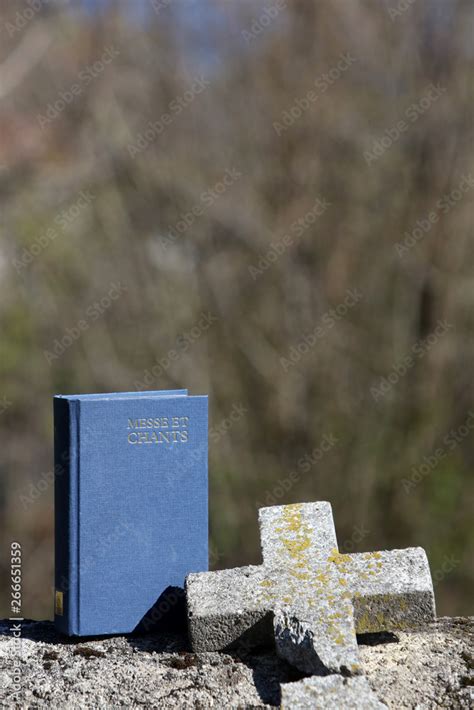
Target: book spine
x=66 y=482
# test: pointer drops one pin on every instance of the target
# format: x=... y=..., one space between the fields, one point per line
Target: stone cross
x=316 y=598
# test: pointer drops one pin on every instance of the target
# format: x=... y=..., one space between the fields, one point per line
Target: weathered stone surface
x=332 y=691
x=428 y=669
x=318 y=598
x=58 y=673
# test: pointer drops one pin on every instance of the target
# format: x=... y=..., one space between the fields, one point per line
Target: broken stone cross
x=317 y=598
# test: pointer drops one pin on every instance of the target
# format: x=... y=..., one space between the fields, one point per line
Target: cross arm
x=224 y=609
x=391 y=589
x=296 y=536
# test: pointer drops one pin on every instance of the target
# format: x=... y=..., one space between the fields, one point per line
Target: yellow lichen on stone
x=296 y=547
x=292 y=518
x=335 y=632
x=338 y=557
x=300 y=541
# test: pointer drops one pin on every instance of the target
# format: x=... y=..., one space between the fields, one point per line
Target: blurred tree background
x=267 y=201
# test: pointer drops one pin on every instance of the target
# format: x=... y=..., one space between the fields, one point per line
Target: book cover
x=131 y=506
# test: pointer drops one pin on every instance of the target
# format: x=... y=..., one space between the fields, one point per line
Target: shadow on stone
x=168 y=614
x=164 y=627
x=268 y=672
x=376 y=639
x=45 y=631
x=256 y=649
x=260 y=635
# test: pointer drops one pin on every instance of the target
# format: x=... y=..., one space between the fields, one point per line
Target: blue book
x=131 y=507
